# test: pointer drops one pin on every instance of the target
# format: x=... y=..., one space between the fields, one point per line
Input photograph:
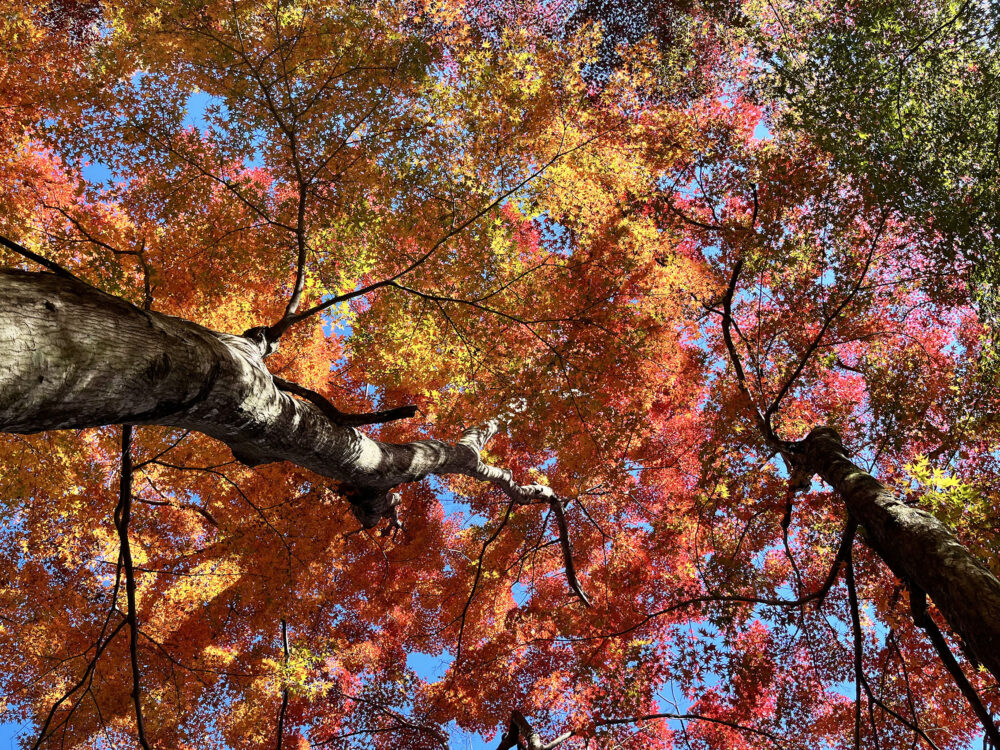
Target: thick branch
x=521 y=734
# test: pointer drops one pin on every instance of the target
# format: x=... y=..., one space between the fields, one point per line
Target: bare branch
x=345 y=419
x=922 y=618
x=284 y=689
x=40 y=260
x=123 y=515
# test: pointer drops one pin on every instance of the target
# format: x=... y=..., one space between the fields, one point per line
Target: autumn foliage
x=648 y=241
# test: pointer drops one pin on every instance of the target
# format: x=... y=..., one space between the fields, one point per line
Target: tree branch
x=40 y=260
x=345 y=419
x=727 y=324
x=277 y=330
x=521 y=734
x=284 y=689
x=84 y=682
x=818 y=595
x=157 y=369
x=922 y=618
x=123 y=515
x=475 y=440
x=856 y=631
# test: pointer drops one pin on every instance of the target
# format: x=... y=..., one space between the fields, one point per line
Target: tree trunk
x=72 y=357
x=917 y=547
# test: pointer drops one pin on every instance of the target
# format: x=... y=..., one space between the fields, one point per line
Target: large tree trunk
x=917 y=547
x=72 y=356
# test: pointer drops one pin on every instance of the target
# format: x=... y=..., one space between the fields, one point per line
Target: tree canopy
x=635 y=366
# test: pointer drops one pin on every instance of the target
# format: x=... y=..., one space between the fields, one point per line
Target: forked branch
x=345 y=419
x=475 y=440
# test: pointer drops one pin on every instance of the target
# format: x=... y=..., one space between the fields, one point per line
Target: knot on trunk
x=806 y=457
x=263 y=338
x=521 y=735
x=823 y=433
x=369 y=505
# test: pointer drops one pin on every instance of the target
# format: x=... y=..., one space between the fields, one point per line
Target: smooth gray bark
x=72 y=356
x=916 y=546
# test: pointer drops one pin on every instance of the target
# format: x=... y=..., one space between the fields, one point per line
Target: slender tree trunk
x=72 y=356
x=917 y=547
